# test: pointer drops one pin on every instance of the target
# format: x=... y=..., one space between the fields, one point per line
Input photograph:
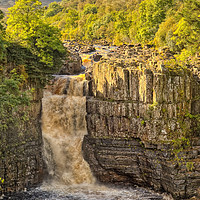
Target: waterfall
x=63 y=128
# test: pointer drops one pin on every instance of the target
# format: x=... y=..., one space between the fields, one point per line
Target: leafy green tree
x=88 y=28
x=151 y=14
x=53 y=9
x=1 y=17
x=133 y=27
x=70 y=19
x=164 y=35
x=122 y=24
x=102 y=25
x=23 y=20
x=26 y=26
x=11 y=96
x=2 y=49
x=89 y=9
x=187 y=33
x=33 y=51
x=12 y=101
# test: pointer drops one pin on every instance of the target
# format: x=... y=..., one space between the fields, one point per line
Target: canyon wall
x=143 y=122
x=21 y=163
x=21 y=159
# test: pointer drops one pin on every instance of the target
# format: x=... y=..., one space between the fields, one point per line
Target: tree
x=2 y=49
x=53 y=9
x=1 y=17
x=90 y=9
x=70 y=21
x=23 y=19
x=26 y=26
x=151 y=14
x=163 y=36
x=187 y=33
x=12 y=101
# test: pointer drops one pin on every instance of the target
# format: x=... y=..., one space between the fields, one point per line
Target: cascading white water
x=63 y=129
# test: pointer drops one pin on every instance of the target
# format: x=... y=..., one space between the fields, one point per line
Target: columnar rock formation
x=143 y=122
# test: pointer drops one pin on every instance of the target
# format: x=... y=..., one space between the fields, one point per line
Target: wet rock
x=102 y=42
x=87 y=49
x=96 y=57
x=72 y=65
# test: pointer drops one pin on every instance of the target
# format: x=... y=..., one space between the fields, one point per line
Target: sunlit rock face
x=142 y=122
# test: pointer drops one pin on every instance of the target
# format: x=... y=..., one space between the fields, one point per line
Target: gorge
x=142 y=129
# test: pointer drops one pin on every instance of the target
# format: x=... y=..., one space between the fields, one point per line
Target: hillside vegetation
x=30 y=52
x=172 y=23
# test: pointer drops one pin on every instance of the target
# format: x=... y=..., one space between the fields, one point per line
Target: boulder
x=96 y=57
x=72 y=65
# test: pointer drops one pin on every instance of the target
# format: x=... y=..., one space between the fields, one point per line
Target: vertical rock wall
x=143 y=124
x=21 y=164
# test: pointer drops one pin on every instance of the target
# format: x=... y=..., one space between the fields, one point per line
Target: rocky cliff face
x=72 y=63
x=143 y=122
x=21 y=163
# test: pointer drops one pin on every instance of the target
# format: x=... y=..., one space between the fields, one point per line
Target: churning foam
x=63 y=129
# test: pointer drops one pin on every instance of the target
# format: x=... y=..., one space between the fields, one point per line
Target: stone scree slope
x=143 y=122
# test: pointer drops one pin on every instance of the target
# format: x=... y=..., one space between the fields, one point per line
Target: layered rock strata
x=143 y=122
x=21 y=163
